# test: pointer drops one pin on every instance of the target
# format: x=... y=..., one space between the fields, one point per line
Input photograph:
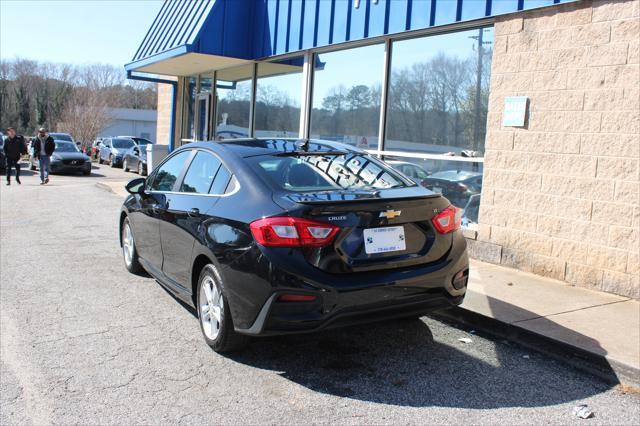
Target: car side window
x=221 y=181
x=200 y=174
x=167 y=175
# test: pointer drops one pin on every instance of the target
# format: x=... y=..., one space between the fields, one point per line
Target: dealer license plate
x=383 y=240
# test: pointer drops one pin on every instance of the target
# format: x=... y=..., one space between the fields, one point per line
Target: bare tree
x=40 y=94
x=85 y=115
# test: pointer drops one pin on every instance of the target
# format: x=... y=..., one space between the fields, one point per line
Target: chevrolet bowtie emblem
x=390 y=214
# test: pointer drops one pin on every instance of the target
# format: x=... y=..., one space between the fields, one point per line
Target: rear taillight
x=296 y=298
x=448 y=220
x=292 y=232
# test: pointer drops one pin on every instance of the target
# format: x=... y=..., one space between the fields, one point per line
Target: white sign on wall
x=515 y=111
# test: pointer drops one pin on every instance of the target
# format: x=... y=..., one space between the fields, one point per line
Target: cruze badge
x=390 y=214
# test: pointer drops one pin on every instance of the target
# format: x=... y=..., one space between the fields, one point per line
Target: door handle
x=194 y=212
x=157 y=209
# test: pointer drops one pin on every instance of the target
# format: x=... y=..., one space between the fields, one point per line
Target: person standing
x=43 y=147
x=14 y=148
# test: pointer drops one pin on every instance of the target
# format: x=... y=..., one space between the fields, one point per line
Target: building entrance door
x=203 y=105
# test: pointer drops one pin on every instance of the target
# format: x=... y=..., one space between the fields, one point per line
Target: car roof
x=456 y=175
x=266 y=146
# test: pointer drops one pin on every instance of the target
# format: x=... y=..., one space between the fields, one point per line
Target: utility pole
x=476 y=115
x=477 y=124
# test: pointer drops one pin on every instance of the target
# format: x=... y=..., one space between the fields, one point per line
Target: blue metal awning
x=177 y=25
x=191 y=36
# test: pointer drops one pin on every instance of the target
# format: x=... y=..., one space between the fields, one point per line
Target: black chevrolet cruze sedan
x=267 y=237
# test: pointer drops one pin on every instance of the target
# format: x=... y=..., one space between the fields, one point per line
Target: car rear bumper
x=357 y=298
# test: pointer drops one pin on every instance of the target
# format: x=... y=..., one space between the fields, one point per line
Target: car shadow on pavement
x=400 y=363
x=24 y=171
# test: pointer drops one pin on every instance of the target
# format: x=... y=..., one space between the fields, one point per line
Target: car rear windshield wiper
x=309 y=153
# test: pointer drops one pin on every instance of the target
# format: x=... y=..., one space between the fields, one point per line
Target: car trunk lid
x=380 y=229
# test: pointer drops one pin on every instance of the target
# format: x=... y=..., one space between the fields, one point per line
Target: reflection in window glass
x=190 y=101
x=279 y=90
x=166 y=176
x=201 y=172
x=460 y=182
x=438 y=93
x=234 y=103
x=205 y=83
x=222 y=179
x=323 y=173
x=346 y=96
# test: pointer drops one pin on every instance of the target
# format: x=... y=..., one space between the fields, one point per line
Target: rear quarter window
x=221 y=181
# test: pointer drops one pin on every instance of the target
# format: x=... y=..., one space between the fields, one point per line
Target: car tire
x=111 y=163
x=125 y=166
x=214 y=315
x=99 y=160
x=86 y=172
x=129 y=252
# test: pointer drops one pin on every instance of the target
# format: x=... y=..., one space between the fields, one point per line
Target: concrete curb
x=104 y=186
x=116 y=188
x=608 y=369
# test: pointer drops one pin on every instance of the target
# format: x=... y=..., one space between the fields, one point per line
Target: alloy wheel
x=211 y=308
x=127 y=244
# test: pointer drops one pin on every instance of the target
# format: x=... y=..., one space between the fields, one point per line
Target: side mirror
x=136 y=186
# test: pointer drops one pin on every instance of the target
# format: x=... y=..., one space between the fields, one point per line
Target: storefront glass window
x=460 y=182
x=190 y=102
x=234 y=102
x=279 y=91
x=437 y=105
x=346 y=96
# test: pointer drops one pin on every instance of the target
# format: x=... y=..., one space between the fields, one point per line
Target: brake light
x=292 y=232
x=448 y=220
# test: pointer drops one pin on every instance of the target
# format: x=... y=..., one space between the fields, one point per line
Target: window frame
x=180 y=178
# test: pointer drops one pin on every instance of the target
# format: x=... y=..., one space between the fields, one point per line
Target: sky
x=110 y=31
x=75 y=31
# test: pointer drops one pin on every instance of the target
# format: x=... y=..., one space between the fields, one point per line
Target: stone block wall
x=164 y=114
x=561 y=194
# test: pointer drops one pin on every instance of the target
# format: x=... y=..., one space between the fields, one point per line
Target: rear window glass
x=322 y=173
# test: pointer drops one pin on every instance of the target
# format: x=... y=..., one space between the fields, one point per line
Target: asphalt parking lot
x=85 y=342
